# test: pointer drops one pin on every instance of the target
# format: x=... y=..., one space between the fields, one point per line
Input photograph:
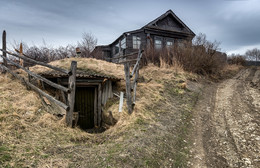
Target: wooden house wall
x=129 y=41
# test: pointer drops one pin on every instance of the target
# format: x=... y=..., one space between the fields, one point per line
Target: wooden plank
x=135 y=84
x=121 y=101
x=137 y=62
x=62 y=93
x=39 y=91
x=38 y=76
x=128 y=87
x=25 y=57
x=95 y=108
x=4 y=47
x=71 y=95
x=110 y=92
x=99 y=104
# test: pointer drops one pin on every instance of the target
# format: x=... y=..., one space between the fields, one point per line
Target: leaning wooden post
x=71 y=94
x=128 y=87
x=21 y=54
x=4 y=48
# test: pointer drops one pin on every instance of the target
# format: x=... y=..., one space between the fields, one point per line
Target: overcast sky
x=234 y=23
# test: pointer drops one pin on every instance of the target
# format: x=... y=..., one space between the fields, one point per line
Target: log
x=4 y=47
x=71 y=95
x=25 y=57
x=128 y=87
x=38 y=76
x=135 y=83
x=39 y=91
x=137 y=62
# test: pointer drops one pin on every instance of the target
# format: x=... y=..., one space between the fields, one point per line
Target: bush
x=237 y=59
x=200 y=57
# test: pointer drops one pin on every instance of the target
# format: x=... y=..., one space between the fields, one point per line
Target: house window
x=116 y=49
x=123 y=43
x=158 y=43
x=169 y=43
x=136 y=42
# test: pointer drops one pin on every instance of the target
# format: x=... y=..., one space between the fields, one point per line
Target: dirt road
x=227 y=123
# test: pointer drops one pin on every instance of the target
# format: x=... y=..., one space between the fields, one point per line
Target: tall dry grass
x=199 y=56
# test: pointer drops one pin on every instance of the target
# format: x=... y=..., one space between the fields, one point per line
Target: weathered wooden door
x=84 y=104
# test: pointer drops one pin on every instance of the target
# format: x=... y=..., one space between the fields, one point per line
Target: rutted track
x=227 y=123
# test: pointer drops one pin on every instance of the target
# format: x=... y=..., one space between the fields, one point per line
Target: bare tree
x=87 y=44
x=253 y=54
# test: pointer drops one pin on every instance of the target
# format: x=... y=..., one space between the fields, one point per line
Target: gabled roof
x=169 y=12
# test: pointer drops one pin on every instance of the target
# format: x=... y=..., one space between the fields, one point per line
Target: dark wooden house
x=164 y=31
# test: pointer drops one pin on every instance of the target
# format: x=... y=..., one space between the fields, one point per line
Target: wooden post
x=99 y=104
x=4 y=48
x=135 y=83
x=71 y=94
x=128 y=87
x=121 y=101
x=95 y=108
x=21 y=54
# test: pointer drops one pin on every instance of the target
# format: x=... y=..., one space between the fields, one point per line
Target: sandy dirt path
x=227 y=123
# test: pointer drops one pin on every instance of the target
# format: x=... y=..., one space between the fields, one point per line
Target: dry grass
x=86 y=65
x=31 y=137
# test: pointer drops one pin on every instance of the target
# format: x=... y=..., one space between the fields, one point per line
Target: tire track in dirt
x=226 y=131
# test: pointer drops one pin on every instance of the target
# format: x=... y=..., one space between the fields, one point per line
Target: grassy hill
x=155 y=135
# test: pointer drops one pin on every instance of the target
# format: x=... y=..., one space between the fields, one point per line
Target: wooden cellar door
x=84 y=104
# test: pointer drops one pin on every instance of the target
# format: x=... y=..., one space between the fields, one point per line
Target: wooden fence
x=70 y=91
x=131 y=86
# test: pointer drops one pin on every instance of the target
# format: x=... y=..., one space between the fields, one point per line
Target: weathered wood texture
x=95 y=109
x=106 y=91
x=121 y=101
x=128 y=87
x=24 y=57
x=4 y=47
x=99 y=104
x=38 y=76
x=71 y=95
x=39 y=91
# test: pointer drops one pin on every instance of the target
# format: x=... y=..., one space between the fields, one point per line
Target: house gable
x=169 y=22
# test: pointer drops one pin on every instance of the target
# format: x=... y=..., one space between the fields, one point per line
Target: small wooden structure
x=91 y=94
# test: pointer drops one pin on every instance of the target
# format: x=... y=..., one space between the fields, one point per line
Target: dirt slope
x=226 y=123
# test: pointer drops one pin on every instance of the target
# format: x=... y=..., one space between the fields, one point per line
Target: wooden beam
x=121 y=101
x=38 y=76
x=135 y=83
x=128 y=87
x=95 y=108
x=137 y=62
x=25 y=57
x=4 y=47
x=39 y=91
x=99 y=104
x=71 y=95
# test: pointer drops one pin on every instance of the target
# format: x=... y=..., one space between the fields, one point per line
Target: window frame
x=136 y=42
x=158 y=46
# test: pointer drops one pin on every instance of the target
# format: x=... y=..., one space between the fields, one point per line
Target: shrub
x=200 y=57
x=237 y=59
